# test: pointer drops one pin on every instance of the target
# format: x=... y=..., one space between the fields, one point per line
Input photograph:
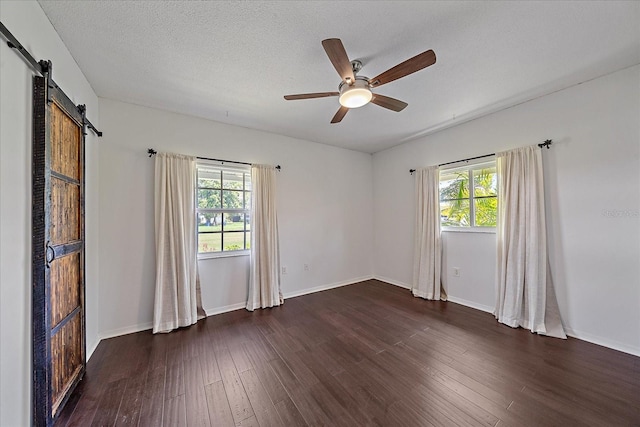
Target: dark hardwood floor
x=365 y=354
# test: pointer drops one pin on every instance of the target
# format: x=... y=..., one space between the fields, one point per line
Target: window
x=469 y=196
x=223 y=209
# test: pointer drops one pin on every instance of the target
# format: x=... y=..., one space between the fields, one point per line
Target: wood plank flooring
x=367 y=354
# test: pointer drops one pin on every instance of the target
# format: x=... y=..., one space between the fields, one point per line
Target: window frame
x=247 y=190
x=469 y=169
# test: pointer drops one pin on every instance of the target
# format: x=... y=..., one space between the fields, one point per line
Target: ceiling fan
x=355 y=91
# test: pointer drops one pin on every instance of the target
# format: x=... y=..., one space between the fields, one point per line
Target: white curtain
x=524 y=291
x=177 y=300
x=264 y=271
x=427 y=244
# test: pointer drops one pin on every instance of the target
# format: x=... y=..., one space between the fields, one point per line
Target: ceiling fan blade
x=405 y=68
x=338 y=57
x=339 y=115
x=389 y=103
x=310 y=95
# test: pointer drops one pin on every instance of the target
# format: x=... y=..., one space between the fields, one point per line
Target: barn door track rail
x=44 y=68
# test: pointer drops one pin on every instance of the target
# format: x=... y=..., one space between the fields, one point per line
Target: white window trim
x=226 y=166
x=227 y=254
x=474 y=229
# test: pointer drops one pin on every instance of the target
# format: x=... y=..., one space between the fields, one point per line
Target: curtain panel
x=264 y=270
x=427 y=243
x=177 y=299
x=524 y=290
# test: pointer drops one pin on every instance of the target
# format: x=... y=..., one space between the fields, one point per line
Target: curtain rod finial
x=411 y=171
x=151 y=152
x=278 y=168
x=547 y=143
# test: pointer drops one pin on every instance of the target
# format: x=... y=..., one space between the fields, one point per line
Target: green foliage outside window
x=461 y=208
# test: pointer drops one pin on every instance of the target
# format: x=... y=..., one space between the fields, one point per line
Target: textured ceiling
x=233 y=61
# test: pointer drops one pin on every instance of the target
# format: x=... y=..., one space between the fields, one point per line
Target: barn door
x=58 y=250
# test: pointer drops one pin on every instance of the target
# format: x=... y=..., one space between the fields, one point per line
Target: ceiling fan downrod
x=356 y=66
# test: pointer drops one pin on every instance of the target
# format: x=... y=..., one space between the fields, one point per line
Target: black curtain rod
x=41 y=69
x=547 y=144
x=153 y=152
x=466 y=160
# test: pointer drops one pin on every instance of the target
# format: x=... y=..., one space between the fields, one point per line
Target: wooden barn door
x=58 y=250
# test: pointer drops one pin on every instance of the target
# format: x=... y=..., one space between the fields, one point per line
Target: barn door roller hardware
x=44 y=68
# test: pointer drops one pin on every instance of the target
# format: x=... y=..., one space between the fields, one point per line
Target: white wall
x=324 y=211
x=593 y=204
x=473 y=254
x=31 y=27
x=326 y=201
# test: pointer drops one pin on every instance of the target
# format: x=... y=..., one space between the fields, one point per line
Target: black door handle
x=50 y=255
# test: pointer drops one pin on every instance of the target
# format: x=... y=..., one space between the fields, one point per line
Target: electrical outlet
x=456 y=272
x=284 y=270
x=306 y=267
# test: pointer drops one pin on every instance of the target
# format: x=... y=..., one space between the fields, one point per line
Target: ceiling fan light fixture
x=355 y=91
x=355 y=95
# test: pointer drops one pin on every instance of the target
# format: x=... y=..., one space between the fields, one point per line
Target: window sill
x=223 y=255
x=485 y=230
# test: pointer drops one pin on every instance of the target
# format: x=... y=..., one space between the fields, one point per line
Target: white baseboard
x=224 y=309
x=92 y=348
x=456 y=300
x=392 y=282
x=615 y=345
x=126 y=330
x=470 y=304
x=233 y=307
x=326 y=287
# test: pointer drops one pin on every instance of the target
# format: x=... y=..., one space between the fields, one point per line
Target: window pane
x=209 y=221
x=209 y=178
x=454 y=185
x=486 y=212
x=209 y=242
x=233 y=222
x=455 y=213
x=247 y=200
x=232 y=180
x=247 y=182
x=232 y=199
x=234 y=241
x=248 y=240
x=209 y=199
x=247 y=218
x=485 y=182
